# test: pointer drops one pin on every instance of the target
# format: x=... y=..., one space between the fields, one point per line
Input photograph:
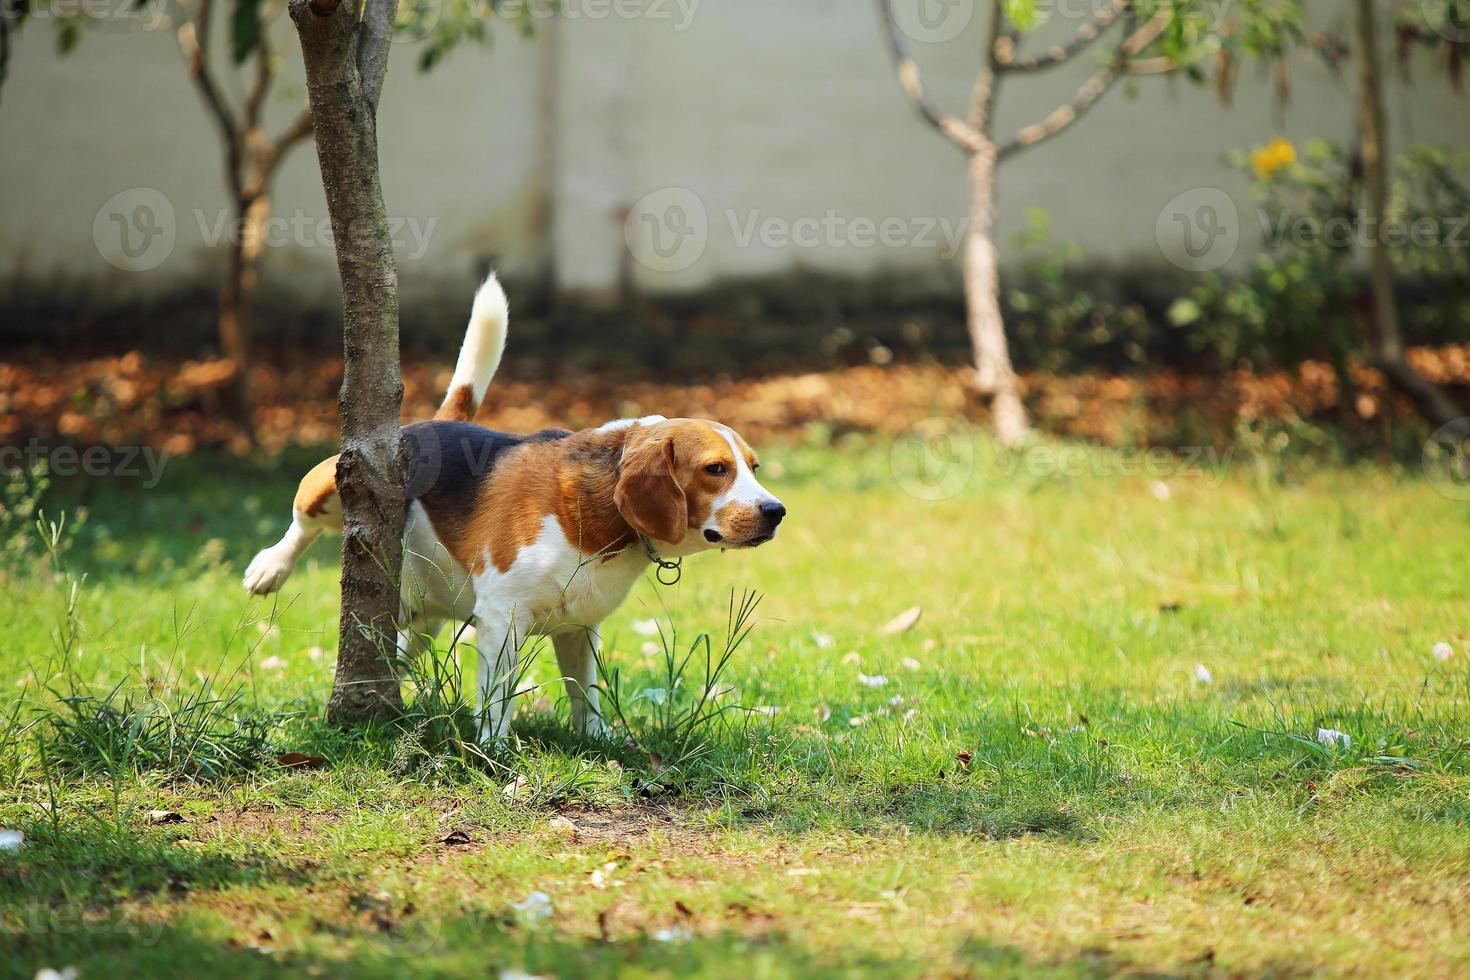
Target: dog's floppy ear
x=648 y=494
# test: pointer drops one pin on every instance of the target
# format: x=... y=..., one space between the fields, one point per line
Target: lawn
x=1036 y=778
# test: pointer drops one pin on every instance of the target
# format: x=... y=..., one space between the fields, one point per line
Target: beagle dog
x=539 y=534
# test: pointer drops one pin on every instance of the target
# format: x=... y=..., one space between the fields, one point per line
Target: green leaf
x=67 y=37
x=245 y=29
x=1026 y=15
x=1184 y=312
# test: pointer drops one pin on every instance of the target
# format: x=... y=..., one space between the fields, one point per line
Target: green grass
x=1041 y=788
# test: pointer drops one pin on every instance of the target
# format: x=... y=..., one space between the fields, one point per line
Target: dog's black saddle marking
x=448 y=461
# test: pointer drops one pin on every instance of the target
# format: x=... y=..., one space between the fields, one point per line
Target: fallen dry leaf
x=116 y=398
x=457 y=838
x=901 y=623
x=964 y=757
x=300 y=760
x=157 y=817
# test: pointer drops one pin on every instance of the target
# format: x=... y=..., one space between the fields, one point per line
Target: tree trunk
x=994 y=375
x=234 y=303
x=344 y=71
x=1387 y=346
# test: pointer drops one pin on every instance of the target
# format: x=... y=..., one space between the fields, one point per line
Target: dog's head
x=691 y=483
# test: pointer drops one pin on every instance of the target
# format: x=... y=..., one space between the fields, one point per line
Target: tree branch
x=374 y=36
x=1092 y=90
x=264 y=75
x=1062 y=54
x=982 y=100
x=193 y=39
x=960 y=133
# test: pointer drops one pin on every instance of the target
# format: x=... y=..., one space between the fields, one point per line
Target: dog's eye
x=715 y=469
x=755 y=466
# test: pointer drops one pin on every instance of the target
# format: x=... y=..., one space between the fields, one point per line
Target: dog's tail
x=484 y=342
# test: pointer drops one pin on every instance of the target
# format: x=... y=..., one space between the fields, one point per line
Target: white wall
x=747 y=111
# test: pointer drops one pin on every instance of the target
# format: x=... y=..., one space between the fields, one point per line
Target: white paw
x=267 y=572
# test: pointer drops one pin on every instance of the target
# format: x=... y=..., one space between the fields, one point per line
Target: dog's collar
x=673 y=568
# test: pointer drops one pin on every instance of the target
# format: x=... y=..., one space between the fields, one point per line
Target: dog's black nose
x=773 y=511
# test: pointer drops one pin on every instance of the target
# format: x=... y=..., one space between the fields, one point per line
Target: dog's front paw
x=266 y=573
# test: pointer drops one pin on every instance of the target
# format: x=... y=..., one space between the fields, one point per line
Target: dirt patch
x=628 y=823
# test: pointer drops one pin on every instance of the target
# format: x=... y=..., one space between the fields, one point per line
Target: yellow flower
x=1271 y=158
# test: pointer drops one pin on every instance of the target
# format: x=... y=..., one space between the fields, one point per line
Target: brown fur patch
x=571 y=479
x=666 y=488
x=600 y=485
x=459 y=405
x=317 y=488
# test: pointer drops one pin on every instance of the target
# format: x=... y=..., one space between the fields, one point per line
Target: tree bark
x=1387 y=346
x=345 y=65
x=235 y=298
x=994 y=374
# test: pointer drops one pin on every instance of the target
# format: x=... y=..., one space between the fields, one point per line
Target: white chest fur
x=551 y=587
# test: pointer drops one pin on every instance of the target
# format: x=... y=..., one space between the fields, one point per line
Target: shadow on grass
x=469 y=946
x=134 y=531
x=81 y=867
